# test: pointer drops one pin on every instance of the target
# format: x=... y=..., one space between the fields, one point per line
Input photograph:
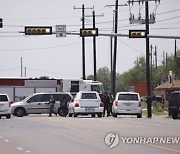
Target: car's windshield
x=89 y=96
x=175 y=95
x=3 y=98
x=129 y=97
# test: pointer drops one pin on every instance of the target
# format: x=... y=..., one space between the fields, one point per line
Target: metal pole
x=94 y=47
x=115 y=51
x=83 y=47
x=149 y=114
x=21 y=68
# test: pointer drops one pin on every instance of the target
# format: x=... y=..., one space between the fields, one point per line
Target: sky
x=57 y=57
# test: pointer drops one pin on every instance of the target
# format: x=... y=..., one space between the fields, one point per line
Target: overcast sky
x=61 y=57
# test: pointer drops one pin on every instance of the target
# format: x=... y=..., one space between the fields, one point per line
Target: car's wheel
x=0 y=117
x=99 y=115
x=8 y=116
x=139 y=115
x=20 y=112
x=114 y=115
x=174 y=115
x=93 y=115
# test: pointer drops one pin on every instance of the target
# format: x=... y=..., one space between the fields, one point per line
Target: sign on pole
x=60 y=30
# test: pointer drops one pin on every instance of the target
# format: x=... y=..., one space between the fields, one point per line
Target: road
x=39 y=134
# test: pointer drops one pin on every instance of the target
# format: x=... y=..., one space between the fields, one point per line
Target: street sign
x=131 y=88
x=60 y=30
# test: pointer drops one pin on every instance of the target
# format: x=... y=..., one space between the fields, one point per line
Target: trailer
x=19 y=88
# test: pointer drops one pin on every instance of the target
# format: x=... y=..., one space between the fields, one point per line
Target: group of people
x=108 y=101
x=63 y=108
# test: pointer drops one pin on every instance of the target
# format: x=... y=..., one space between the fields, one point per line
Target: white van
x=86 y=103
x=127 y=103
x=38 y=103
x=5 y=106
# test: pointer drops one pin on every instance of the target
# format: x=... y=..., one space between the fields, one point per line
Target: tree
x=104 y=76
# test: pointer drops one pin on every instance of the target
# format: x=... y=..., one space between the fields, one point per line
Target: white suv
x=127 y=103
x=86 y=103
x=5 y=106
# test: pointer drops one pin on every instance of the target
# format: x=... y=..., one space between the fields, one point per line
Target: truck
x=19 y=88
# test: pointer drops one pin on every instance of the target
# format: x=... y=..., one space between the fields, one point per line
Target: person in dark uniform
x=106 y=101
x=52 y=102
x=63 y=106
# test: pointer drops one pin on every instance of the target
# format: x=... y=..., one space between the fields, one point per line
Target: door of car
x=34 y=104
x=4 y=103
x=45 y=103
x=128 y=101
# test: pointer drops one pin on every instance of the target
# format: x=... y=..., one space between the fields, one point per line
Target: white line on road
x=27 y=151
x=5 y=140
x=19 y=148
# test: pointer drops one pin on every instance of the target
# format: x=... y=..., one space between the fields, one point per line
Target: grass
x=155 y=111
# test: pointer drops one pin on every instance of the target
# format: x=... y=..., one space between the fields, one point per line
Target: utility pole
x=155 y=53
x=113 y=85
x=115 y=52
x=175 y=52
x=25 y=71
x=21 y=67
x=151 y=55
x=94 y=46
x=94 y=41
x=147 y=62
x=83 y=42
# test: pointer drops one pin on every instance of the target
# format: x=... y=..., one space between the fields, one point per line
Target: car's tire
x=93 y=115
x=174 y=115
x=114 y=115
x=20 y=112
x=139 y=115
x=70 y=114
x=0 y=117
x=8 y=116
x=99 y=115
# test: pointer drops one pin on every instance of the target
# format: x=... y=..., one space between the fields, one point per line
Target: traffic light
x=137 y=34
x=1 y=23
x=89 y=32
x=38 y=30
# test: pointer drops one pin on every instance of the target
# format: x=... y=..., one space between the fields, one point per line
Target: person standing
x=52 y=102
x=106 y=101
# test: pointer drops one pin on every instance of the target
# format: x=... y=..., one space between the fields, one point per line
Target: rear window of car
x=129 y=97
x=89 y=96
x=175 y=95
x=3 y=98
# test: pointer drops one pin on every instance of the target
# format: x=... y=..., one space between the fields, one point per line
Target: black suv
x=174 y=104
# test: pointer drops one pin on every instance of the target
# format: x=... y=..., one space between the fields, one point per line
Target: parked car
x=174 y=104
x=38 y=104
x=127 y=103
x=5 y=106
x=86 y=103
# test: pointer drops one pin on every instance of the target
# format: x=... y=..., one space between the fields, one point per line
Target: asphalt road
x=39 y=134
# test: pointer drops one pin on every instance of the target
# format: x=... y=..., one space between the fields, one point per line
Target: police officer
x=106 y=101
x=52 y=102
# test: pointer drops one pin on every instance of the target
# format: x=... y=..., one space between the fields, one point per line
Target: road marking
x=19 y=148
x=27 y=151
x=162 y=147
x=5 y=140
x=1 y=137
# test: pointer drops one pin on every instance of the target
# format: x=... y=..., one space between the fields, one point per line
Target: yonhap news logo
x=113 y=139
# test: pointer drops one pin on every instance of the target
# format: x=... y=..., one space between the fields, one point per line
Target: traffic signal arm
x=88 y=32
x=137 y=34
x=38 y=30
